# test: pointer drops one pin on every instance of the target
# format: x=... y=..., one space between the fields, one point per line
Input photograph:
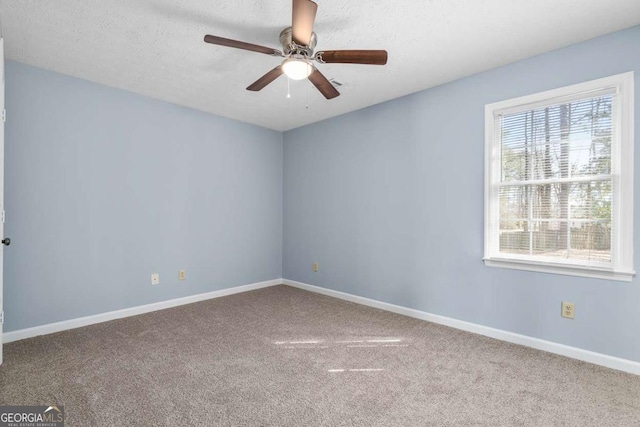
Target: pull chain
x=307 y=102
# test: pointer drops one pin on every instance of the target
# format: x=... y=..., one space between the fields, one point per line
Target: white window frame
x=621 y=266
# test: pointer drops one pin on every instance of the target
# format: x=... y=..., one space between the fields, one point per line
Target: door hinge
x=4 y=116
x=1 y=317
x=3 y=216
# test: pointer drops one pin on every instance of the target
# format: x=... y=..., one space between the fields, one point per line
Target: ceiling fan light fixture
x=297 y=68
x=298 y=43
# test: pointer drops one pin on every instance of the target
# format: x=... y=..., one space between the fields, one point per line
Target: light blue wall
x=389 y=201
x=104 y=187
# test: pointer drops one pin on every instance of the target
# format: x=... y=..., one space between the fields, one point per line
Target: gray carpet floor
x=281 y=356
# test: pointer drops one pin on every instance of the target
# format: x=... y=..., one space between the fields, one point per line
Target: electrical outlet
x=568 y=310
x=315 y=267
x=155 y=279
x=182 y=274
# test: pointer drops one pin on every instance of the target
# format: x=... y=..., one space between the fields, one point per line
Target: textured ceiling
x=156 y=48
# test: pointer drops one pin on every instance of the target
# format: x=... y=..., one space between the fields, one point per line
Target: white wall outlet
x=182 y=274
x=155 y=279
x=568 y=310
x=315 y=267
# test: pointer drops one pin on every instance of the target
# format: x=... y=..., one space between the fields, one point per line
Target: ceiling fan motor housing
x=290 y=47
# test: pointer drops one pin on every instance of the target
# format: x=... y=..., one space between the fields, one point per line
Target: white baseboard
x=625 y=365
x=539 y=344
x=126 y=312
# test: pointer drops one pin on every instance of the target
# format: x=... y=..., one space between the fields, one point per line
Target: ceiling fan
x=298 y=42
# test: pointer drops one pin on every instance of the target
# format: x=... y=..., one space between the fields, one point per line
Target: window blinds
x=556 y=183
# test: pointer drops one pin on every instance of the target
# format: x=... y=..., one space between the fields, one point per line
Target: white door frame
x=2 y=118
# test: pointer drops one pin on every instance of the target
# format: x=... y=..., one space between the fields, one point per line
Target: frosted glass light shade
x=296 y=69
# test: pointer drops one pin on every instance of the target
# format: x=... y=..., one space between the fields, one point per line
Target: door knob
x=6 y=241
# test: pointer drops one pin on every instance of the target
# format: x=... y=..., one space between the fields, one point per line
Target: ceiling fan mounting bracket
x=292 y=48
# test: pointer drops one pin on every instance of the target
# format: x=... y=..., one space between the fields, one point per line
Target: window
x=559 y=180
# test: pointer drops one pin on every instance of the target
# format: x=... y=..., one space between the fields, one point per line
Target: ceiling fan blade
x=266 y=79
x=323 y=85
x=304 y=14
x=371 y=57
x=241 y=45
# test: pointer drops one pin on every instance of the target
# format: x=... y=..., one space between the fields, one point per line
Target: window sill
x=569 y=270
